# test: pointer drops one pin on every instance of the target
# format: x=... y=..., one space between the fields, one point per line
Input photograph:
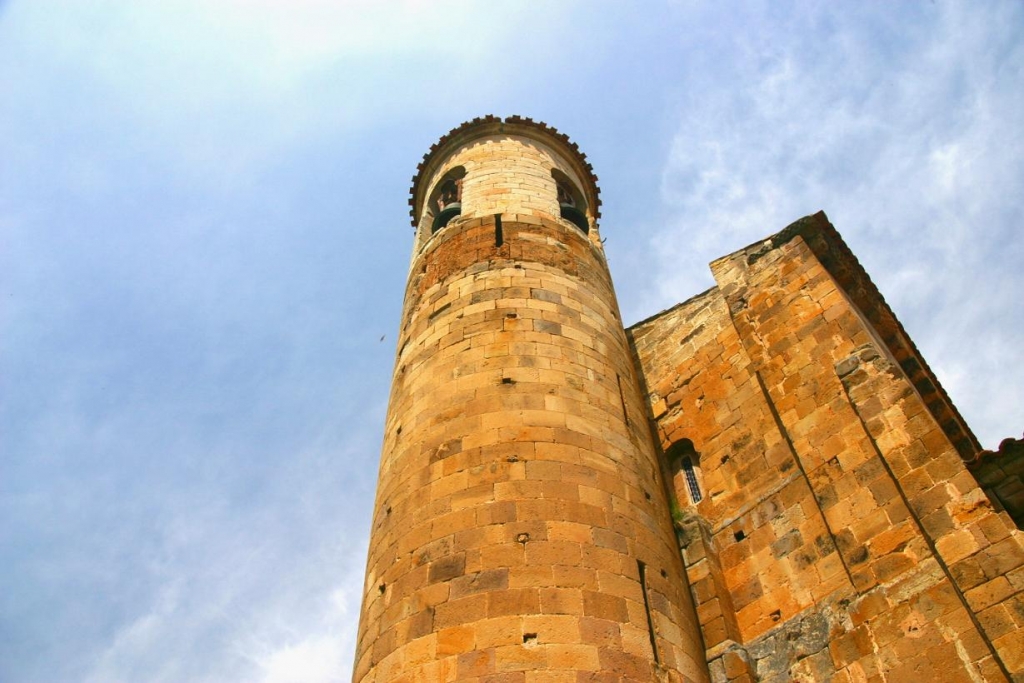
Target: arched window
x=691 y=479
x=571 y=205
x=446 y=200
x=686 y=475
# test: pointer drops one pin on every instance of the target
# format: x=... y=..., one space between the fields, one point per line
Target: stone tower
x=522 y=529
x=765 y=482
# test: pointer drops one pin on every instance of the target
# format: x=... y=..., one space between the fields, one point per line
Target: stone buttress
x=834 y=520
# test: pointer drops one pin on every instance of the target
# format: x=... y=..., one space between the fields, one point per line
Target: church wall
x=757 y=549
x=868 y=549
x=1001 y=475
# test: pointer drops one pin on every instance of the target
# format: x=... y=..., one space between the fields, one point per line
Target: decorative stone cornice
x=512 y=125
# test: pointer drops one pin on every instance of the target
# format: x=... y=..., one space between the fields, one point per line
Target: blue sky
x=204 y=236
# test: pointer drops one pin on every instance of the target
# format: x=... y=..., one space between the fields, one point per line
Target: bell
x=449 y=212
x=574 y=216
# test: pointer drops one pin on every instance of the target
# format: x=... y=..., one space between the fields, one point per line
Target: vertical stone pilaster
x=980 y=550
x=802 y=332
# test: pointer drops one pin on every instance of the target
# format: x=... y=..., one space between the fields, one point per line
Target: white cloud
x=216 y=92
x=324 y=655
x=204 y=55
x=316 y=660
x=268 y=593
x=121 y=660
x=909 y=138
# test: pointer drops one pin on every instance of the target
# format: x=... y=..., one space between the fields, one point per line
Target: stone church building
x=765 y=482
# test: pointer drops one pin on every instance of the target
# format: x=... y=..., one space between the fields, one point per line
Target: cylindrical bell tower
x=521 y=524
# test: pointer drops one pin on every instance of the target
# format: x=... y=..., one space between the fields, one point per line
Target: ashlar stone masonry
x=763 y=483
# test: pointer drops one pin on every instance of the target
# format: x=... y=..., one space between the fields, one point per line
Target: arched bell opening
x=446 y=200
x=571 y=205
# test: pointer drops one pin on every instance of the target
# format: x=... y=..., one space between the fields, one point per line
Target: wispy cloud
x=904 y=130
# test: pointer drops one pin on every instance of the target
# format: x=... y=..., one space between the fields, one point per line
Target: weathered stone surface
x=522 y=525
x=832 y=468
x=811 y=506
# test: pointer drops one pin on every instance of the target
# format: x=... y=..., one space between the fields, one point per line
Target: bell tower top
x=493 y=166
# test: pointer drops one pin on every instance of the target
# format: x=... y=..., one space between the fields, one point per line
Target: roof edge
x=489 y=124
x=839 y=260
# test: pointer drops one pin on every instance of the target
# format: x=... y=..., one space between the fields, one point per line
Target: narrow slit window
x=686 y=475
x=691 y=479
x=642 y=570
x=622 y=399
